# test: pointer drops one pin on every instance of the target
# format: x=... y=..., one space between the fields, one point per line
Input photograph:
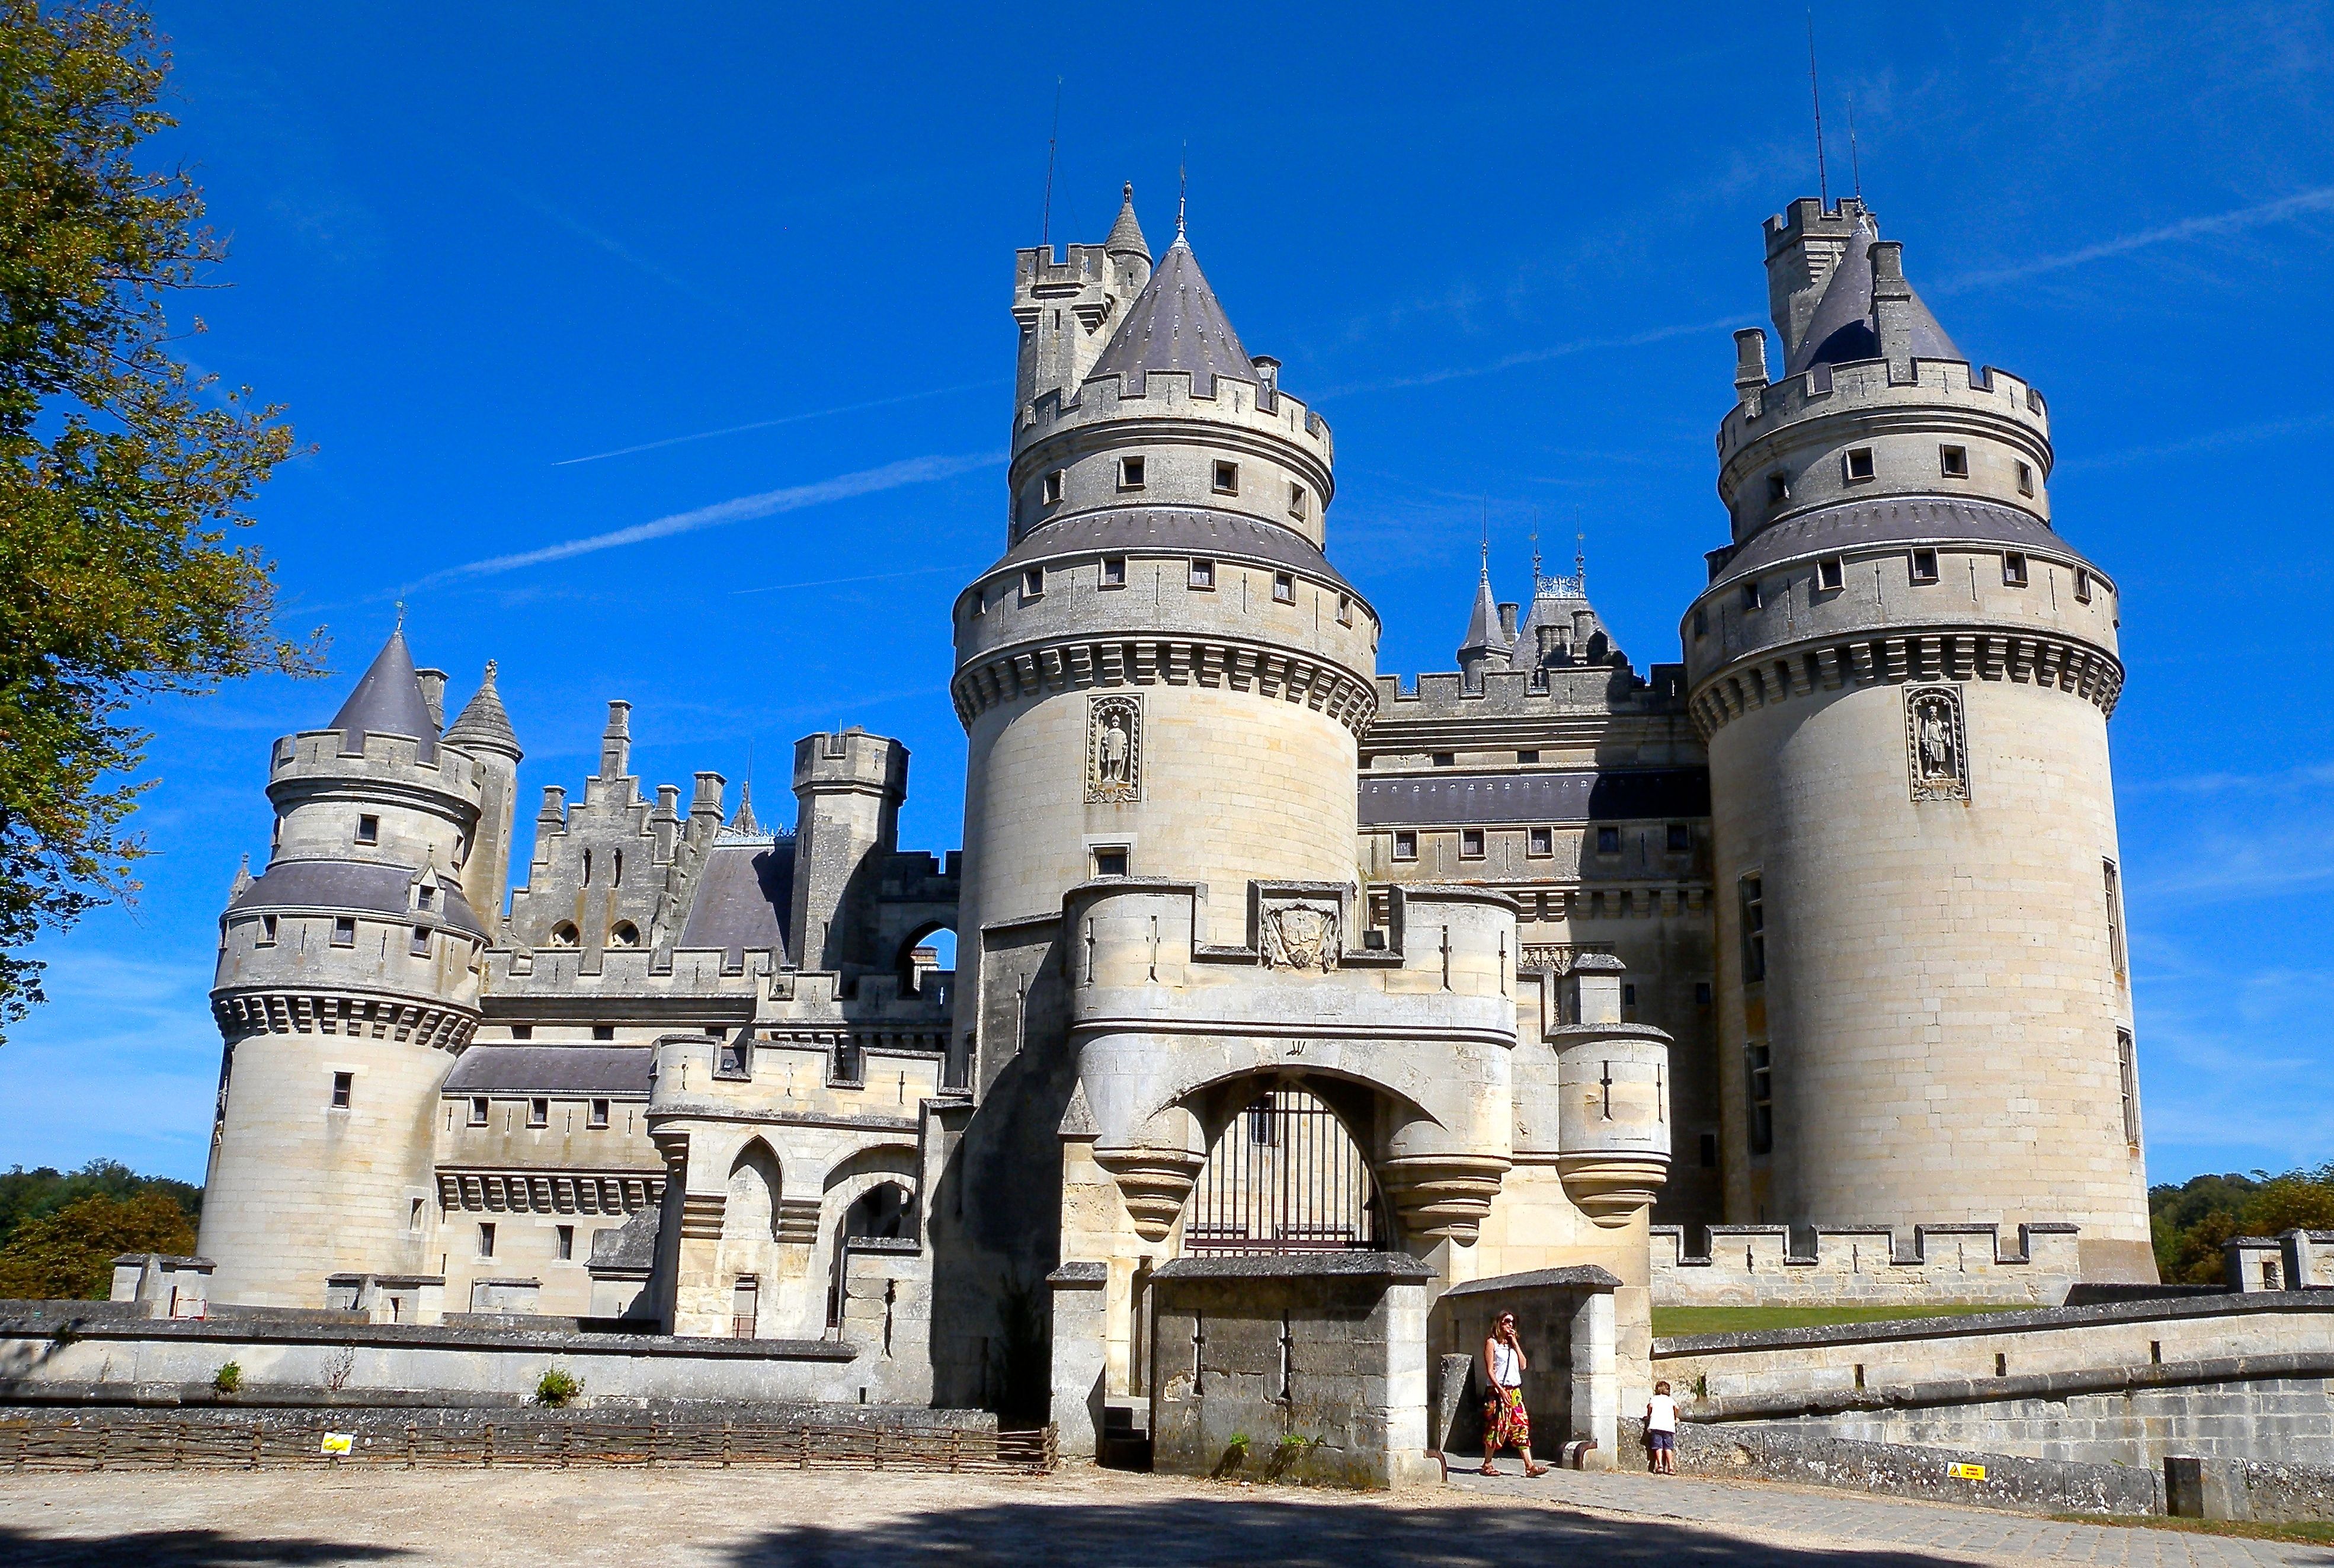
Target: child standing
x=1661 y=1431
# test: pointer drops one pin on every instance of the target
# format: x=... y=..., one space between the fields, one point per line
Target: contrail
x=794 y=497
x=1535 y=356
x=783 y=420
x=2319 y=200
x=871 y=577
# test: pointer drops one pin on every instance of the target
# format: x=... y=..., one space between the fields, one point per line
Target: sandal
x=1535 y=1472
x=1487 y=1470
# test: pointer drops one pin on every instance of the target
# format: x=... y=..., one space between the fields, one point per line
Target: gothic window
x=564 y=935
x=624 y=933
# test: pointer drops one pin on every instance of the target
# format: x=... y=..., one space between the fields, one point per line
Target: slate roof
x=353 y=885
x=1175 y=324
x=1126 y=234
x=1571 y=797
x=387 y=702
x=1841 y=330
x=1483 y=626
x=742 y=900
x=1174 y=531
x=594 y=1069
x=483 y=722
x=1893 y=519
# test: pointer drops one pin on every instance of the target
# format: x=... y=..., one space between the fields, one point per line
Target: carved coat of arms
x=1301 y=936
x=1936 y=745
x=1113 y=749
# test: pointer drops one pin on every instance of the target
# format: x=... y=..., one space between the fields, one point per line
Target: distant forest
x=60 y=1231
x=2192 y=1220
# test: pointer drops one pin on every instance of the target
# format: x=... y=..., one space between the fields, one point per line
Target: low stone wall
x=2247 y=1489
x=1756 y=1265
x=58 y=1353
x=1572 y=1380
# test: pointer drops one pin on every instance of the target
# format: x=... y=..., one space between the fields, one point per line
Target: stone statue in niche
x=1113 y=749
x=1936 y=745
x=1300 y=936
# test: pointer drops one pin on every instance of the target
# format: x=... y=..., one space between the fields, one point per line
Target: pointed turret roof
x=483 y=724
x=388 y=701
x=1483 y=634
x=1126 y=234
x=743 y=821
x=1175 y=324
x=1842 y=330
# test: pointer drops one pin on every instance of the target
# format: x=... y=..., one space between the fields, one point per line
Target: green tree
x=2191 y=1221
x=122 y=470
x=68 y=1254
x=27 y=1194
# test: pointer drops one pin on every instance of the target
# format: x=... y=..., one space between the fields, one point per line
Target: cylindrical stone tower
x=1903 y=675
x=345 y=987
x=1163 y=675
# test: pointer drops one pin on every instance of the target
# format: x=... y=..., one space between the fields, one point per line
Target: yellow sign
x=337 y=1442
x=1966 y=1472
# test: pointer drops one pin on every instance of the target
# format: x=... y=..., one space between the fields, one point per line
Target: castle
x=1274 y=978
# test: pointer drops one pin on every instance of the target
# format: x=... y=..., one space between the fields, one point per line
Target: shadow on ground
x=1251 y=1533
x=180 y=1549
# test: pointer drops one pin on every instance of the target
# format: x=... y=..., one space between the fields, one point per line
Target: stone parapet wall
x=1756 y=1265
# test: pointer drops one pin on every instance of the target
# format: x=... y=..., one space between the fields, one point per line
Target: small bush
x=558 y=1388
x=229 y=1379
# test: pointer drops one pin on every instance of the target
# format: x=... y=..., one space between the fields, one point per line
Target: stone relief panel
x=1301 y=936
x=1113 y=749
x=1936 y=746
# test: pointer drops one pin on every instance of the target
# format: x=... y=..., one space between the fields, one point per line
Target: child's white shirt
x=1662 y=1414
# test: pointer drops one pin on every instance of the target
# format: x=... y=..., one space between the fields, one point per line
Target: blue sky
x=510 y=266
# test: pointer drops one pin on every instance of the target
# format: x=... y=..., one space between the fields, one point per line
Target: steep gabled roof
x=1175 y=324
x=387 y=702
x=1841 y=331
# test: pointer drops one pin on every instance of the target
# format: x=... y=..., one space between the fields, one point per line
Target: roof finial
x=1579 y=551
x=1182 y=186
x=1535 y=537
x=491 y=667
x=1487 y=538
x=1823 y=181
x=400 y=615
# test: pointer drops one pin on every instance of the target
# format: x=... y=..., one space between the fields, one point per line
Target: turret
x=849 y=787
x=1490 y=636
x=1904 y=673
x=346 y=982
x=483 y=732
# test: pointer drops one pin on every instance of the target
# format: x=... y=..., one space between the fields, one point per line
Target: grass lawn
x=2314 y=1530
x=1670 y=1321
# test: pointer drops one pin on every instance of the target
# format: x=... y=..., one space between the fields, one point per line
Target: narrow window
x=1405 y=845
x=564 y=934
x=619 y=878
x=1203 y=575
x=587 y=868
x=2082 y=586
x=1681 y=838
x=1540 y=841
x=2115 y=917
x=1284 y=587
x=1702 y=994
x=1859 y=464
x=345 y=931
x=1758 y=1069
x=1129 y=473
x=1344 y=610
x=1050 y=489
x=413 y=1214
x=478 y=1110
x=1925 y=566
x=1033 y=582
x=368 y=830
x=266 y=931
x=1954 y=461
x=522 y=1032
x=1111 y=861
x=1609 y=841
x=1779 y=490
x=486 y=1240
x=1751 y=895
x=1527 y=757
x=1226 y=478
x=421 y=948
x=2013 y=568
x=1709 y=1151
x=1297 y=501
x=603 y=1031
x=979 y=602
x=1750 y=599
x=599 y=1115
x=1114 y=571
x=1446 y=758
x=1831 y=572
x=2025 y=479
x=566 y=1242
x=425 y=898
x=624 y=933
x=1700 y=621
x=343 y=1084
x=538 y=1113
x=1471 y=843
x=2128 y=1070
x=1628 y=1001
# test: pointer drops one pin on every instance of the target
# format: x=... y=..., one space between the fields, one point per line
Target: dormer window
x=1129 y=473
x=1954 y=461
x=1049 y=489
x=368 y=830
x=2013 y=568
x=1224 y=479
x=1860 y=465
x=425 y=898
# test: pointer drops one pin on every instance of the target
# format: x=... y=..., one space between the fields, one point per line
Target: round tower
x=1163 y=675
x=1903 y=675
x=345 y=987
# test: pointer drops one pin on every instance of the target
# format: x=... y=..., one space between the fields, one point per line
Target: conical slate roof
x=1841 y=330
x=483 y=724
x=1483 y=634
x=1126 y=235
x=1175 y=324
x=387 y=702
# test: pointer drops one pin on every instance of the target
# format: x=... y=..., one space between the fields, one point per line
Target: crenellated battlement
x=315 y=760
x=1559 y=690
x=1254 y=406
x=1870 y=388
x=1759 y=1265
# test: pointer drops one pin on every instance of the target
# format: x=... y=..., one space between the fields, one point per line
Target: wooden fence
x=281 y=1441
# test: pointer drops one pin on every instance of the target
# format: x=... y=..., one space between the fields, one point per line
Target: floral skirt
x=1505 y=1422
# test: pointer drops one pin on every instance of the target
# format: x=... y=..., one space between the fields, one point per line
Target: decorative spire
x=1126 y=234
x=743 y=823
x=242 y=880
x=1182 y=190
x=483 y=725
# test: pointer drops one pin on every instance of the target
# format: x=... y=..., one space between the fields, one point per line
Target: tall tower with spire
x=1904 y=674
x=347 y=983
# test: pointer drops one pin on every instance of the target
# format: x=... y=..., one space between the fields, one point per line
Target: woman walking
x=1505 y=1422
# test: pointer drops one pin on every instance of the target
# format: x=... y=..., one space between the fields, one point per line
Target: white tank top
x=1504 y=1371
